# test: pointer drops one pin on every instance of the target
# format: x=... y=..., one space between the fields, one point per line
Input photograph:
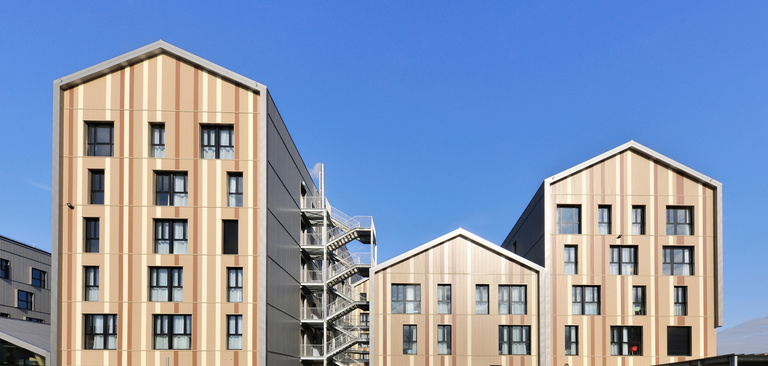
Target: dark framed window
x=166 y=284
x=39 y=278
x=409 y=339
x=217 y=142
x=96 y=186
x=91 y=283
x=171 y=189
x=623 y=260
x=677 y=261
x=24 y=300
x=679 y=220
x=234 y=332
x=172 y=331
x=34 y=320
x=512 y=299
x=229 y=237
x=681 y=300
x=443 y=339
x=406 y=299
x=99 y=141
x=571 y=340
x=604 y=219
x=638 y=220
x=443 y=299
x=678 y=341
x=626 y=341
x=568 y=219
x=638 y=300
x=235 y=189
x=5 y=315
x=5 y=269
x=514 y=340
x=171 y=237
x=235 y=284
x=91 y=235
x=571 y=260
x=157 y=140
x=586 y=300
x=365 y=319
x=481 y=299
x=100 y=331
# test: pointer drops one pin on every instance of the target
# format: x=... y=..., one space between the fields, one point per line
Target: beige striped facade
x=462 y=260
x=621 y=181
x=158 y=89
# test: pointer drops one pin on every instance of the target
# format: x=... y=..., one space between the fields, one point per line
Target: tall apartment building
x=187 y=229
x=632 y=241
x=24 y=287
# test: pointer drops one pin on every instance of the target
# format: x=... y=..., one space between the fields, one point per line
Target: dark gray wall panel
x=528 y=232
x=283 y=292
x=276 y=359
x=283 y=249
x=280 y=204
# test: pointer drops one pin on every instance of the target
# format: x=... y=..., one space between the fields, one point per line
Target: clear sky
x=435 y=115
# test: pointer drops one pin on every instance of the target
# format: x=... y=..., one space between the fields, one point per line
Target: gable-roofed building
x=186 y=227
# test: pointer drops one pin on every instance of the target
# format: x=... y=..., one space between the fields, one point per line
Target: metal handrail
x=312 y=239
x=311 y=312
x=312 y=275
x=311 y=350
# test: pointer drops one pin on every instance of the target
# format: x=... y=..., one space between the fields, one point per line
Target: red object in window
x=633 y=349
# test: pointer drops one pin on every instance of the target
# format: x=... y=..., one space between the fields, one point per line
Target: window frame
x=96 y=186
x=172 y=275
x=232 y=196
x=508 y=330
x=91 y=131
x=444 y=332
x=616 y=260
x=511 y=304
x=217 y=146
x=571 y=340
x=482 y=298
x=157 y=148
x=579 y=297
x=171 y=331
x=566 y=258
x=638 y=220
x=680 y=301
x=232 y=288
x=669 y=265
x=604 y=220
x=399 y=296
x=633 y=340
x=166 y=226
x=671 y=337
x=28 y=301
x=88 y=332
x=5 y=269
x=92 y=237
x=230 y=233
x=88 y=285
x=237 y=332
x=365 y=319
x=638 y=300
x=444 y=298
x=674 y=225
x=576 y=225
x=41 y=278
x=172 y=191
x=410 y=339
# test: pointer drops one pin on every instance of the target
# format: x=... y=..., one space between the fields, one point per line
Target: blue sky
x=437 y=115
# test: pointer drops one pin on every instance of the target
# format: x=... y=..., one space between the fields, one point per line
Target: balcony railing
x=312 y=313
x=312 y=276
x=311 y=350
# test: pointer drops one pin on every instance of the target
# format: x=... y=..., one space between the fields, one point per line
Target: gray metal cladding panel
x=282 y=360
x=528 y=232
x=282 y=291
x=276 y=121
x=282 y=333
x=280 y=203
x=280 y=159
x=282 y=248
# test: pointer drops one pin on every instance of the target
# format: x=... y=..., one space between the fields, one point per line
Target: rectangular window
x=443 y=299
x=586 y=300
x=234 y=332
x=235 y=194
x=157 y=140
x=568 y=219
x=679 y=220
x=365 y=319
x=626 y=341
x=171 y=236
x=235 y=284
x=443 y=339
x=406 y=299
x=481 y=299
x=409 y=339
x=678 y=261
x=512 y=299
x=99 y=139
x=678 y=341
x=229 y=237
x=172 y=331
x=571 y=260
x=638 y=220
x=571 y=340
x=623 y=260
x=217 y=142
x=100 y=331
x=92 y=235
x=39 y=278
x=604 y=219
x=171 y=189
x=5 y=269
x=681 y=300
x=91 y=283
x=166 y=284
x=24 y=300
x=638 y=300
x=34 y=320
x=97 y=187
x=514 y=340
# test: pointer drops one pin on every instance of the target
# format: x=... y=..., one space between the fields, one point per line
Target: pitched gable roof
x=455 y=234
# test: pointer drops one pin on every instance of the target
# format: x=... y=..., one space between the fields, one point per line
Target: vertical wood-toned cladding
x=622 y=181
x=462 y=263
x=160 y=89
